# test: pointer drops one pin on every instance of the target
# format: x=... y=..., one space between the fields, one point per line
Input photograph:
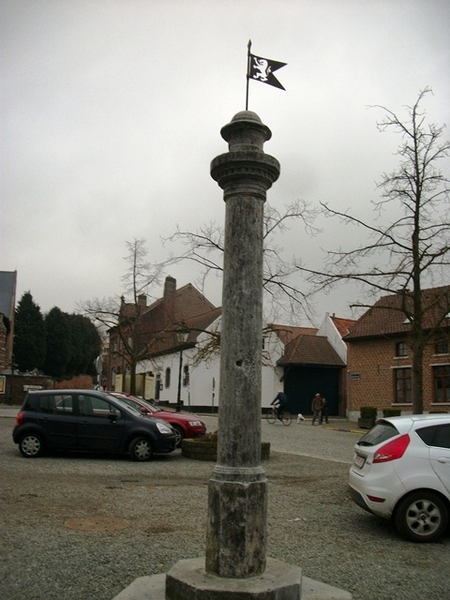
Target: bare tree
x=415 y=247
x=123 y=318
x=282 y=295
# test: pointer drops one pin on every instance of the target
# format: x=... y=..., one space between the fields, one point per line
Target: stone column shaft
x=237 y=493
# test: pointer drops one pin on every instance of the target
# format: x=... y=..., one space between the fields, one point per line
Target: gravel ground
x=83 y=527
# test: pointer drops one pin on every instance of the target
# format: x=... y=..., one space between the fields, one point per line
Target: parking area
x=81 y=527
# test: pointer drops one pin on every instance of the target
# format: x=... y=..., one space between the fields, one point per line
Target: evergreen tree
x=29 y=335
x=85 y=346
x=58 y=335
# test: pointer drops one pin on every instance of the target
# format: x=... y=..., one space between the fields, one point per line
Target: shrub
x=391 y=412
x=368 y=412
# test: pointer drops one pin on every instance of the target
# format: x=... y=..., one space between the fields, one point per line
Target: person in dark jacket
x=280 y=404
x=324 y=415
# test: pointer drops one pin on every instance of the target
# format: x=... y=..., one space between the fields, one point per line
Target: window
x=64 y=404
x=402 y=383
x=95 y=407
x=442 y=437
x=441 y=377
x=51 y=404
x=167 y=380
x=401 y=349
x=441 y=347
x=436 y=435
x=185 y=375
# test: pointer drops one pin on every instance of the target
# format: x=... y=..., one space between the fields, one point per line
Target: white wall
x=205 y=378
x=328 y=330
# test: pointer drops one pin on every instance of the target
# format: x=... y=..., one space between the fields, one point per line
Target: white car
x=401 y=471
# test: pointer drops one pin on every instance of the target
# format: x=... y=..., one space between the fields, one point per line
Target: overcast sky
x=112 y=109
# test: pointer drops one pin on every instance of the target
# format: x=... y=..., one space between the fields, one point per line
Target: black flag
x=261 y=69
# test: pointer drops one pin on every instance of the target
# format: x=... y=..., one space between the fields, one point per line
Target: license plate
x=359 y=461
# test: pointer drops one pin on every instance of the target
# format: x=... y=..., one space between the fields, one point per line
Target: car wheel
x=422 y=517
x=179 y=435
x=31 y=445
x=141 y=449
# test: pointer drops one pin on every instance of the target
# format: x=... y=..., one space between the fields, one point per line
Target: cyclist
x=280 y=404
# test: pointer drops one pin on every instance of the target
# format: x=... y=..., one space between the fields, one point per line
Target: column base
x=188 y=580
x=154 y=587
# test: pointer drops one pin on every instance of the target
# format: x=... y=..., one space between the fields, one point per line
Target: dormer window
x=401 y=349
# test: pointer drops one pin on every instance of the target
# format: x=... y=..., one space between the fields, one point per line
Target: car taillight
x=392 y=450
x=19 y=419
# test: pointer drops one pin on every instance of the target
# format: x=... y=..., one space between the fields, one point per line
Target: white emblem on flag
x=262 y=69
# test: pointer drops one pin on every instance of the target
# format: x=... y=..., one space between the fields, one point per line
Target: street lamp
x=182 y=338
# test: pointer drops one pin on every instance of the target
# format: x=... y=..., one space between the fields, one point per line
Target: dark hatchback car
x=88 y=421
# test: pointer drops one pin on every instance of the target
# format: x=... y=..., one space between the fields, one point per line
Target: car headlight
x=195 y=423
x=163 y=428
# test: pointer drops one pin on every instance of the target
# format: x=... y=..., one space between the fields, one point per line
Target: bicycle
x=272 y=417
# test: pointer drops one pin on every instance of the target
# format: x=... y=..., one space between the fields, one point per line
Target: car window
x=64 y=404
x=426 y=434
x=131 y=403
x=33 y=402
x=379 y=433
x=435 y=435
x=442 y=438
x=121 y=401
x=93 y=406
x=50 y=403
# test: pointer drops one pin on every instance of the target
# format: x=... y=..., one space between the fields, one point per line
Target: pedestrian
x=316 y=407
x=280 y=404
x=324 y=415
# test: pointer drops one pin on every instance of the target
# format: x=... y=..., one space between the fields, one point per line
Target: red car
x=186 y=425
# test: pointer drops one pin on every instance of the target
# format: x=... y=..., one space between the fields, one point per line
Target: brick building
x=157 y=330
x=379 y=358
x=8 y=281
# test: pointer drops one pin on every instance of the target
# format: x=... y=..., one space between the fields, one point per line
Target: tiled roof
x=196 y=325
x=188 y=302
x=187 y=308
x=385 y=317
x=311 y=350
x=287 y=333
x=343 y=325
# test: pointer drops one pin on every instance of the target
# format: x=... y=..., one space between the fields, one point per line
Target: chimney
x=170 y=288
x=142 y=300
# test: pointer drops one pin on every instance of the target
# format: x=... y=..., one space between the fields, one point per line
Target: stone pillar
x=235 y=565
x=237 y=493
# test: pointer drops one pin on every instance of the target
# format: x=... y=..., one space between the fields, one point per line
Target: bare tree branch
x=205 y=248
x=413 y=250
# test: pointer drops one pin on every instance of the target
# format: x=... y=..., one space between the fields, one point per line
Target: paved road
x=333 y=442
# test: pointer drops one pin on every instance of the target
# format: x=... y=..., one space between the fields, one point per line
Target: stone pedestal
x=189 y=580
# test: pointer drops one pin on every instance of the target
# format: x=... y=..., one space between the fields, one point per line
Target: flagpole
x=248 y=72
